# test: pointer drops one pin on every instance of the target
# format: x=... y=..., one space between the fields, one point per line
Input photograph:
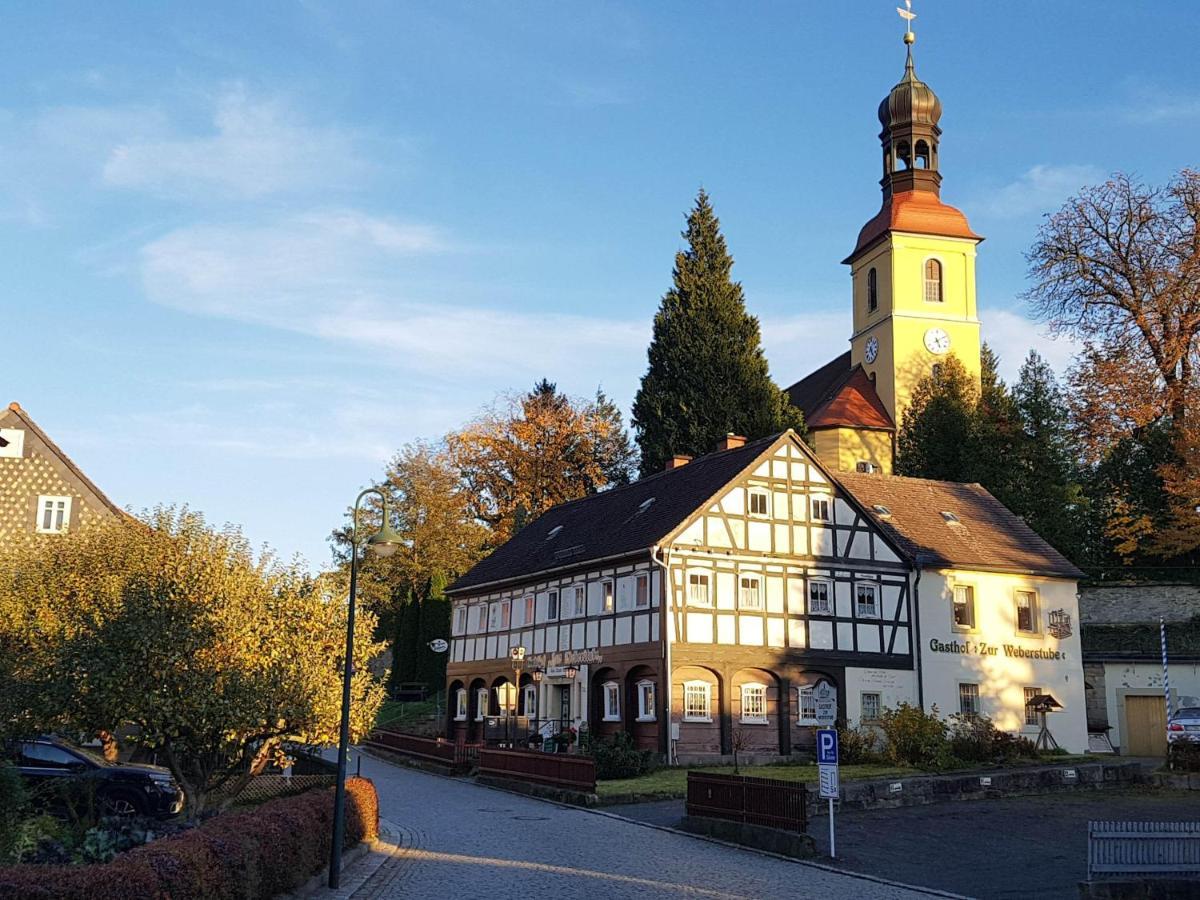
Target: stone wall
x=1121 y=603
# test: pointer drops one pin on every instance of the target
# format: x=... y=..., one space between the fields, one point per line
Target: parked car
x=1184 y=725
x=61 y=772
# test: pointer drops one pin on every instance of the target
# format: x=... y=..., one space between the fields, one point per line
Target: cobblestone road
x=457 y=839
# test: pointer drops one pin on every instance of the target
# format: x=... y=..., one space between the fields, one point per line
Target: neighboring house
x=41 y=490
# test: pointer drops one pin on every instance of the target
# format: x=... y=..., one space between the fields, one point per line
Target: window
x=481 y=618
x=641 y=597
x=760 y=503
x=552 y=605
x=968 y=699
x=1027 y=619
x=807 y=705
x=580 y=600
x=530 y=608
x=867 y=600
x=612 y=702
x=933 y=281
x=872 y=291
x=46 y=756
x=646 y=707
x=870 y=706
x=750 y=592
x=820 y=509
x=531 y=700
x=493 y=617
x=698 y=594
x=506 y=614
x=1031 y=717
x=460 y=620
x=922 y=155
x=608 y=596
x=54 y=514
x=754 y=703
x=481 y=704
x=936 y=372
x=460 y=705
x=964 y=606
x=696 y=696
x=819 y=603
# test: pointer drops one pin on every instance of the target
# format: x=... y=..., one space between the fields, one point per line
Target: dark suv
x=56 y=769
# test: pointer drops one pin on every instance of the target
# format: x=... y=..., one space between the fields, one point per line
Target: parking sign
x=827 y=747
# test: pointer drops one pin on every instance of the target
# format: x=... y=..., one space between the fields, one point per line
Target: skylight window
x=949 y=516
x=881 y=509
x=644 y=505
x=554 y=532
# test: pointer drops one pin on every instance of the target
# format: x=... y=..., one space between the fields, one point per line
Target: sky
x=250 y=250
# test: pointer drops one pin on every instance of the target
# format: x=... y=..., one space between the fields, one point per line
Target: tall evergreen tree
x=435 y=623
x=707 y=375
x=937 y=432
x=405 y=666
x=998 y=435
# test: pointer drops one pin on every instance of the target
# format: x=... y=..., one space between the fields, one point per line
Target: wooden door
x=1145 y=727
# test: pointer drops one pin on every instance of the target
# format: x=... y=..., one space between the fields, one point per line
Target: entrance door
x=1145 y=727
x=564 y=707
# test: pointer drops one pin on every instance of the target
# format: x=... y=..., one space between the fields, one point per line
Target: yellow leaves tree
x=220 y=660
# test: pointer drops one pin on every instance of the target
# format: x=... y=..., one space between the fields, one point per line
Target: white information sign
x=825 y=699
x=830 y=787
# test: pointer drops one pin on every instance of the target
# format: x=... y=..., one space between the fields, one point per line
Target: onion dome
x=911 y=101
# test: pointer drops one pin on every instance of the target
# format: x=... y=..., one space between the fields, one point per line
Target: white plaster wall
x=895 y=686
x=1122 y=678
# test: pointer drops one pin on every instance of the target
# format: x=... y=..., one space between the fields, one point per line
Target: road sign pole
x=832 y=839
x=827 y=763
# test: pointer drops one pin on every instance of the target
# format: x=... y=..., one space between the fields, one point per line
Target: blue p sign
x=827 y=747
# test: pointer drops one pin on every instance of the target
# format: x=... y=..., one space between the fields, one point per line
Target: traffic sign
x=827 y=747
x=830 y=783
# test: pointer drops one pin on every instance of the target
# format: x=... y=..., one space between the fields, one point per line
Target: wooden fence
x=755 y=801
x=1159 y=848
x=454 y=757
x=576 y=773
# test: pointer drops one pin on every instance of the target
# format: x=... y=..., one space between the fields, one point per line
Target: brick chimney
x=731 y=441
x=678 y=460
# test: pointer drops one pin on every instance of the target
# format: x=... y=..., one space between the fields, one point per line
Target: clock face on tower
x=937 y=341
x=872 y=349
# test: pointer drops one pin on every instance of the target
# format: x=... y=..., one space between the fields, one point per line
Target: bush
x=1184 y=756
x=246 y=855
x=619 y=758
x=12 y=812
x=858 y=745
x=976 y=739
x=915 y=737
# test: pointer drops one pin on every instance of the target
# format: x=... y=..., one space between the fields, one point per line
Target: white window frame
x=460 y=620
x=531 y=700
x=858 y=607
x=460 y=705
x=612 y=701
x=481 y=618
x=829 y=601
x=760 y=691
x=552 y=610
x=969 y=591
x=743 y=592
x=1034 y=618
x=810 y=690
x=483 y=701
x=608 y=595
x=647 y=711
x=813 y=500
x=751 y=495
x=690 y=689
x=505 y=614
x=493 y=617
x=941 y=279
x=704 y=576
x=1027 y=712
x=63 y=516
x=529 y=602
x=641 y=591
x=864 y=718
x=580 y=600
x=978 y=698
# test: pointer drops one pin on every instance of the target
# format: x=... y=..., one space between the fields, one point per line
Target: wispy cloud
x=1150 y=104
x=1012 y=335
x=1040 y=189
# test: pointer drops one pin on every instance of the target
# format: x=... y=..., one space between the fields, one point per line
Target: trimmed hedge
x=249 y=855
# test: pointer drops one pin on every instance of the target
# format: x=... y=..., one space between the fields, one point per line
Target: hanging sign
x=438 y=646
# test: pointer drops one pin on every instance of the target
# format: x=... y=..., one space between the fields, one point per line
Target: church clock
x=937 y=341
x=872 y=349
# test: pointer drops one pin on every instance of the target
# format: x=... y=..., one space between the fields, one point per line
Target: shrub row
x=249 y=855
x=619 y=757
x=1185 y=756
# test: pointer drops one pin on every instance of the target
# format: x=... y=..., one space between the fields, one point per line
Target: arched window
x=754 y=704
x=933 y=281
x=903 y=156
x=612 y=701
x=530 y=699
x=937 y=372
x=460 y=705
x=481 y=704
x=872 y=291
x=922 y=155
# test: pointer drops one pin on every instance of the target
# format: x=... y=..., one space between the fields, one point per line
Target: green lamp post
x=384 y=543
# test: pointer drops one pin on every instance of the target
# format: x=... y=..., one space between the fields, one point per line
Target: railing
x=1143 y=847
x=577 y=773
x=755 y=801
x=454 y=756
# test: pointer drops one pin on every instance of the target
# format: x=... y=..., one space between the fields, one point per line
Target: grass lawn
x=672 y=783
x=406 y=715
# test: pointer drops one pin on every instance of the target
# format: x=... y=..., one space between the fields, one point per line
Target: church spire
x=909 y=115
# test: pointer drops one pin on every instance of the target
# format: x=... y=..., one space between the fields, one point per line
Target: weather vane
x=907 y=15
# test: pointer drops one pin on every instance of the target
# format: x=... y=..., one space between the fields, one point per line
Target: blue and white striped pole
x=1162 y=639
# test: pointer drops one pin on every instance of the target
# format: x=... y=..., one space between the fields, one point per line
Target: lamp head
x=571 y=672
x=385 y=541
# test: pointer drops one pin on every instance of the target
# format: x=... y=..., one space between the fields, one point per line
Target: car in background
x=1184 y=725
x=61 y=772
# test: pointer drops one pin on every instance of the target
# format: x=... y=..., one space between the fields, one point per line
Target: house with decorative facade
x=41 y=490
x=750 y=594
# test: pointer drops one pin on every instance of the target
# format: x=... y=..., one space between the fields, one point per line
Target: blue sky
x=251 y=249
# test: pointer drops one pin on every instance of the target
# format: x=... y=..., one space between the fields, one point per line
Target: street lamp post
x=517 y=654
x=384 y=542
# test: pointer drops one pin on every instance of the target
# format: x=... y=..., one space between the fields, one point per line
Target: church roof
x=915 y=212
x=840 y=395
x=980 y=532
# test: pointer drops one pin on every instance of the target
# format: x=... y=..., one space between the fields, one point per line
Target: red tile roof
x=840 y=395
x=916 y=212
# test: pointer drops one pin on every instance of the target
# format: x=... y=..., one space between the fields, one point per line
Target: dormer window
x=882 y=510
x=554 y=532
x=949 y=516
x=644 y=505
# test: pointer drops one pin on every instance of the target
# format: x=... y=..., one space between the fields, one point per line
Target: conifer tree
x=998 y=436
x=435 y=623
x=707 y=375
x=937 y=432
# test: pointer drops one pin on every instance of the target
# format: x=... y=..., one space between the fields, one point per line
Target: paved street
x=459 y=839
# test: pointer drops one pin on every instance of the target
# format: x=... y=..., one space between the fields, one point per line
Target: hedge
x=250 y=855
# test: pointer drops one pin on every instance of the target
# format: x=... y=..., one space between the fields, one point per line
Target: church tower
x=913 y=267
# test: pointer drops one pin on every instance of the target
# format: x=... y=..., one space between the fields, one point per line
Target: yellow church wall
x=843 y=448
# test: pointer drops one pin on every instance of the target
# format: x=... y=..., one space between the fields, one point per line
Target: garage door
x=1145 y=727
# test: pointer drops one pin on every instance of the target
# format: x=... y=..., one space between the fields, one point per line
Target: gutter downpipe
x=917 y=631
x=669 y=590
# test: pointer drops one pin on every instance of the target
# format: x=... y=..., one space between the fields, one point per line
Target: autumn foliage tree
x=219 y=659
